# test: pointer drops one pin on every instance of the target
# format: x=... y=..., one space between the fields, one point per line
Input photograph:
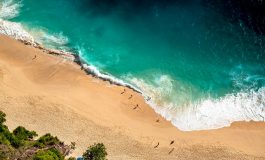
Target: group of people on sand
x=131 y=96
x=124 y=90
x=158 y=120
x=137 y=106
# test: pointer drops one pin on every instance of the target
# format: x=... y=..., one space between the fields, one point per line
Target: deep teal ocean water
x=200 y=69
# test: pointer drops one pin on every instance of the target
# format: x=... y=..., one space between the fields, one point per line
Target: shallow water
x=201 y=70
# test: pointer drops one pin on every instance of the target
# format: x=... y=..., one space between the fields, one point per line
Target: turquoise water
x=181 y=54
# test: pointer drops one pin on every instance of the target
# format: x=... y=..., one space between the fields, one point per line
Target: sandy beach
x=47 y=93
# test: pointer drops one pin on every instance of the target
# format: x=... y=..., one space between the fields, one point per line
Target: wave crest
x=217 y=113
x=50 y=40
x=9 y=9
x=208 y=113
x=92 y=70
x=15 y=30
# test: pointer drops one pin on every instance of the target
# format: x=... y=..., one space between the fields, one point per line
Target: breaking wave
x=15 y=30
x=216 y=113
x=207 y=113
x=9 y=9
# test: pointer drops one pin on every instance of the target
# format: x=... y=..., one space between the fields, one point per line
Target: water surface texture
x=202 y=68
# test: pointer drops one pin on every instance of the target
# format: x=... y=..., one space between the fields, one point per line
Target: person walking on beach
x=123 y=91
x=137 y=106
x=130 y=96
x=35 y=56
x=157 y=145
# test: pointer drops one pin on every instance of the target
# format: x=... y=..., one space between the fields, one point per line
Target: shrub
x=95 y=152
x=23 y=134
x=17 y=138
x=2 y=117
x=3 y=139
x=15 y=142
x=50 y=154
x=6 y=137
x=47 y=139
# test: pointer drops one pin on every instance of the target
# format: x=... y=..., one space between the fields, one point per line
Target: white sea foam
x=9 y=9
x=58 y=38
x=113 y=80
x=217 y=113
x=208 y=113
x=15 y=30
x=50 y=40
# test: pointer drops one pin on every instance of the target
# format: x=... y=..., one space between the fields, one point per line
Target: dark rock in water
x=249 y=12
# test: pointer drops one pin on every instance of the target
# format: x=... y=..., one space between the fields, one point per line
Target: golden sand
x=50 y=94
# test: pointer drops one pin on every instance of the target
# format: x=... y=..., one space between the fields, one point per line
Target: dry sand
x=51 y=94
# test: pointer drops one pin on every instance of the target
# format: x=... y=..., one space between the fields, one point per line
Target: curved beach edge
x=51 y=94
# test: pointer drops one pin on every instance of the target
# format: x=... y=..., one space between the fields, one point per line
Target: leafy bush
x=5 y=135
x=3 y=139
x=20 y=136
x=15 y=142
x=2 y=117
x=47 y=139
x=50 y=154
x=24 y=134
x=95 y=152
x=8 y=138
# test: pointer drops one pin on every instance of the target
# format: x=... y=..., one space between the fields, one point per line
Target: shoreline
x=16 y=31
x=27 y=39
x=78 y=60
x=46 y=93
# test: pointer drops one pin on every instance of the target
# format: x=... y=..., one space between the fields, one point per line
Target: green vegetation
x=20 y=144
x=47 y=140
x=50 y=154
x=23 y=134
x=95 y=152
x=2 y=117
